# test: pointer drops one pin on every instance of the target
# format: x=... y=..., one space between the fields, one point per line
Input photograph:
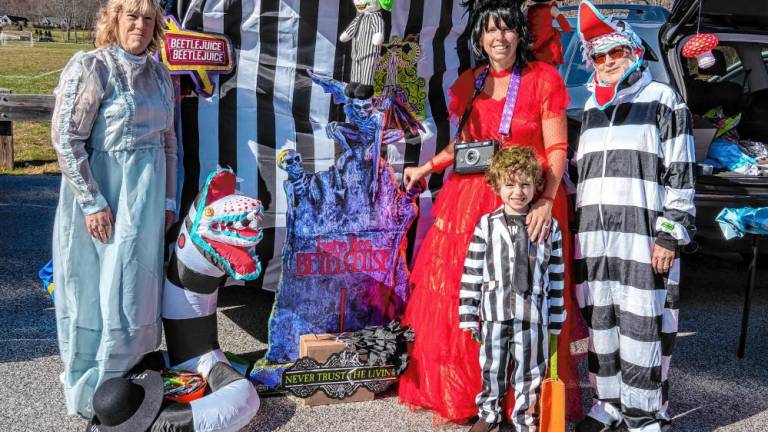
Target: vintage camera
x=474 y=156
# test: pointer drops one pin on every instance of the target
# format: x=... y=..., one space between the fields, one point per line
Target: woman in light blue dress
x=112 y=129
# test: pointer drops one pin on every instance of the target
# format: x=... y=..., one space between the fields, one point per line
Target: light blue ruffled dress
x=112 y=129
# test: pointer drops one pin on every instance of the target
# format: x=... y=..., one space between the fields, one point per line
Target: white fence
x=26 y=38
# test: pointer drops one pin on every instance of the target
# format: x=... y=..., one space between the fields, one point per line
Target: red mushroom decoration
x=701 y=46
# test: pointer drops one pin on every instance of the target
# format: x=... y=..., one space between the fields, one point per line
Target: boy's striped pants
x=512 y=352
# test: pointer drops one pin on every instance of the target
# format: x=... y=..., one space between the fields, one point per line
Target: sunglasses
x=617 y=53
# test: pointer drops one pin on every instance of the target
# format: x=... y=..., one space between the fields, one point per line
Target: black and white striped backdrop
x=269 y=100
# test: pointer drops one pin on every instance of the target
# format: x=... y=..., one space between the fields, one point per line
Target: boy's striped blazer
x=486 y=284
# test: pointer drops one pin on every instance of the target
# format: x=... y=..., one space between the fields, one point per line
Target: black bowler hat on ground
x=127 y=404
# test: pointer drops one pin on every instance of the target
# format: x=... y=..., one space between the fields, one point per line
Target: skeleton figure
x=300 y=184
x=290 y=161
x=360 y=139
x=369 y=126
x=364 y=116
x=360 y=130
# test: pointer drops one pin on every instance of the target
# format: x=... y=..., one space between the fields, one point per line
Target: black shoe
x=589 y=424
x=483 y=426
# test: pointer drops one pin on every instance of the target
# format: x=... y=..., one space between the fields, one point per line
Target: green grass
x=58 y=35
x=34 y=70
x=32 y=150
x=61 y=35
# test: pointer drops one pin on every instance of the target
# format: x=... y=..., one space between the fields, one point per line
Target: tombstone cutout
x=344 y=264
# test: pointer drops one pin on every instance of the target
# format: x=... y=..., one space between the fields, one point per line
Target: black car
x=738 y=83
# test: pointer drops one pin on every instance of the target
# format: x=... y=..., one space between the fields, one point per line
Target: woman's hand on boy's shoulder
x=539 y=220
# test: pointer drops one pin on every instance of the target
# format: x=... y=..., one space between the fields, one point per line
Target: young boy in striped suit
x=512 y=293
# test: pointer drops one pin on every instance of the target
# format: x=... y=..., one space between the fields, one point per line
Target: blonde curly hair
x=513 y=162
x=106 y=28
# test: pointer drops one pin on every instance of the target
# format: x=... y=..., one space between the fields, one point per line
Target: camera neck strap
x=509 y=104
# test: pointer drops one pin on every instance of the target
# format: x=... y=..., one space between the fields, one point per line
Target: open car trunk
x=742 y=26
x=742 y=16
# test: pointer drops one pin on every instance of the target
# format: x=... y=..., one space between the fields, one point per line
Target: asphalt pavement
x=711 y=389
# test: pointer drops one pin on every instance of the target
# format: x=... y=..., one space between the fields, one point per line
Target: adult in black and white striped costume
x=634 y=208
x=516 y=308
x=216 y=240
x=367 y=34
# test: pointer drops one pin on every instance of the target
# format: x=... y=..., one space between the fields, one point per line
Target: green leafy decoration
x=399 y=61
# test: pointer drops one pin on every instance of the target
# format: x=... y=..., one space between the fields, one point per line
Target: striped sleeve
x=472 y=278
x=376 y=24
x=353 y=27
x=676 y=225
x=556 y=270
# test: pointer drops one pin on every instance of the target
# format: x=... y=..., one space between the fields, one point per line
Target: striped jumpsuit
x=635 y=188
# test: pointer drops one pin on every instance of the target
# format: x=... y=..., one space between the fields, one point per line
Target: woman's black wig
x=511 y=13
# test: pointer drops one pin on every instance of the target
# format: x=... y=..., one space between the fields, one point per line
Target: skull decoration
x=289 y=160
x=363 y=108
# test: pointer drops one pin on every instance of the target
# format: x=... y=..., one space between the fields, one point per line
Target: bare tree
x=87 y=10
x=77 y=14
x=15 y=7
x=62 y=9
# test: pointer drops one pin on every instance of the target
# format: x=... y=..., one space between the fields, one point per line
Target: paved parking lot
x=711 y=388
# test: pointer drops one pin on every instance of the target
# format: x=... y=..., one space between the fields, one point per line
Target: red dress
x=443 y=372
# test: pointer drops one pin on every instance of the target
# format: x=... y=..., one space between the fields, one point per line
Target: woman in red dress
x=444 y=371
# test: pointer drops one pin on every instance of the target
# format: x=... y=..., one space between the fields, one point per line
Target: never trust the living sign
x=339 y=377
x=197 y=54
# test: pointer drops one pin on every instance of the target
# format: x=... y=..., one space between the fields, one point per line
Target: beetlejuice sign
x=344 y=265
x=199 y=55
x=345 y=256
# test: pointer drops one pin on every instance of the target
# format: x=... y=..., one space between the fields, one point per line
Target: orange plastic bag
x=552 y=400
